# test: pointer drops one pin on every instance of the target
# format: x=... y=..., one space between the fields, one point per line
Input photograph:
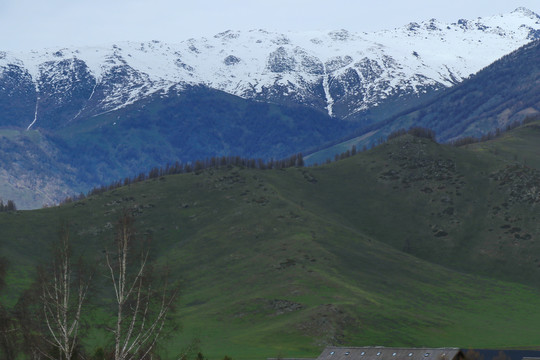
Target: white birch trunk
x=138 y=322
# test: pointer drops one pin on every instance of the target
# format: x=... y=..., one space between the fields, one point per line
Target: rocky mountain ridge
x=348 y=75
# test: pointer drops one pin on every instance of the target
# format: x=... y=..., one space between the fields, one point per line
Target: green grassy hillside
x=412 y=243
x=519 y=146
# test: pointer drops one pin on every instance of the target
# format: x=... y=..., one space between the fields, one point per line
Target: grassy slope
x=520 y=145
x=439 y=203
x=358 y=245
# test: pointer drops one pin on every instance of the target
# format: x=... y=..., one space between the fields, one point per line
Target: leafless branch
x=62 y=309
x=139 y=321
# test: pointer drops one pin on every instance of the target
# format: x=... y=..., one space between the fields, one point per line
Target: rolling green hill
x=412 y=243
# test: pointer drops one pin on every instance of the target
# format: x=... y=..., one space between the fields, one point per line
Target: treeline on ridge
x=417 y=131
x=9 y=206
x=493 y=135
x=295 y=160
x=430 y=134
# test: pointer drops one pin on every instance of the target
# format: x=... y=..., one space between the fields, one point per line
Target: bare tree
x=141 y=307
x=28 y=314
x=8 y=335
x=8 y=326
x=63 y=294
x=193 y=347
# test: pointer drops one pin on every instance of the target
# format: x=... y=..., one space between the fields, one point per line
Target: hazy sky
x=26 y=24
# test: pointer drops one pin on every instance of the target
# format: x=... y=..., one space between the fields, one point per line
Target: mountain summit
x=527 y=12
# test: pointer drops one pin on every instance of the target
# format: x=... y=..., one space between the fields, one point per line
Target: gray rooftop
x=290 y=359
x=384 y=353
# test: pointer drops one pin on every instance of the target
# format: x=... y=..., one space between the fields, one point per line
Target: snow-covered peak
x=155 y=57
x=526 y=12
x=334 y=69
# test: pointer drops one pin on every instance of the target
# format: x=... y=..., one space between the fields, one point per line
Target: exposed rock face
x=231 y=60
x=64 y=89
x=17 y=96
x=279 y=61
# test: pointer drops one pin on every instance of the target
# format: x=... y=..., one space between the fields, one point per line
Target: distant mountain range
x=345 y=74
x=96 y=114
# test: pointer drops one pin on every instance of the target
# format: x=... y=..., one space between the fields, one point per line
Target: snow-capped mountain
x=343 y=73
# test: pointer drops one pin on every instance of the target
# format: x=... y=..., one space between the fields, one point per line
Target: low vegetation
x=412 y=243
